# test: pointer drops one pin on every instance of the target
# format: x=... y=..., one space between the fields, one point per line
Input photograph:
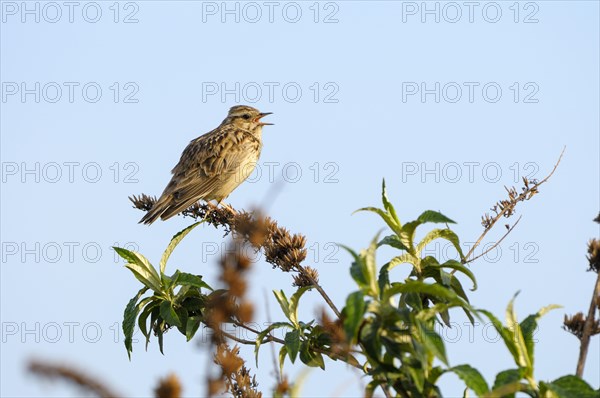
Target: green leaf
x=528 y=327
x=446 y=234
x=435 y=374
x=293 y=304
x=167 y=312
x=354 y=313
x=393 y=241
x=311 y=358
x=453 y=264
x=371 y=267
x=141 y=268
x=508 y=377
x=569 y=387
x=432 y=341
x=129 y=317
x=509 y=390
x=283 y=303
x=282 y=353
x=407 y=235
x=435 y=290
x=364 y=268
x=264 y=333
x=185 y=279
x=406 y=258
x=435 y=217
x=193 y=323
x=512 y=324
x=505 y=333
x=142 y=319
x=292 y=344
x=386 y=216
x=371 y=339
x=357 y=269
x=472 y=378
x=160 y=334
x=178 y=237
x=387 y=205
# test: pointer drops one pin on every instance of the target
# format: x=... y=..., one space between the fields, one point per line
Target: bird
x=214 y=164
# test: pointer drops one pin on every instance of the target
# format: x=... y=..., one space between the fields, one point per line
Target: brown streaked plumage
x=214 y=164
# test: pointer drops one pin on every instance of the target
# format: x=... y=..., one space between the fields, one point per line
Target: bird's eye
x=246 y=116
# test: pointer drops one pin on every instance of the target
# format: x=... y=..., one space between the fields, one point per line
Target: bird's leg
x=227 y=207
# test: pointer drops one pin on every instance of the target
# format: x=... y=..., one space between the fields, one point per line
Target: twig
x=495 y=245
x=588 y=328
x=74 y=376
x=320 y=290
x=272 y=339
x=508 y=207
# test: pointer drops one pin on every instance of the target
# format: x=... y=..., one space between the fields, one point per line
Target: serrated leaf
x=446 y=234
x=393 y=241
x=387 y=205
x=570 y=387
x=384 y=279
x=185 y=279
x=407 y=236
x=389 y=220
x=406 y=258
x=453 y=264
x=506 y=377
x=167 y=312
x=178 y=237
x=472 y=378
x=435 y=290
x=129 y=318
x=292 y=344
x=434 y=217
x=371 y=267
x=354 y=313
x=509 y=390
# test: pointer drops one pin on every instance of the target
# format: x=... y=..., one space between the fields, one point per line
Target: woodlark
x=214 y=164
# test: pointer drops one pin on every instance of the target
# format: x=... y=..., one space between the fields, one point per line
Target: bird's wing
x=207 y=161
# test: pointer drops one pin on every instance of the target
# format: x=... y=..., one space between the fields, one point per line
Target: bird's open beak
x=261 y=115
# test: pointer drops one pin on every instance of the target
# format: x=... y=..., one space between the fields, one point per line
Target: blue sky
x=448 y=102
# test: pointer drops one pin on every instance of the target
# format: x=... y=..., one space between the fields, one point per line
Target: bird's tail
x=161 y=205
x=166 y=207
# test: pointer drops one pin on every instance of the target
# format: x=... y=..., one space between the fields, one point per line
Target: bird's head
x=246 y=117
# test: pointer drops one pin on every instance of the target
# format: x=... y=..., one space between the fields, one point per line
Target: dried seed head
x=169 y=387
x=283 y=387
x=594 y=255
x=245 y=312
x=576 y=323
x=303 y=278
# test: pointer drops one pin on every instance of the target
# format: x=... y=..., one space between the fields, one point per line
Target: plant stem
x=320 y=290
x=588 y=328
